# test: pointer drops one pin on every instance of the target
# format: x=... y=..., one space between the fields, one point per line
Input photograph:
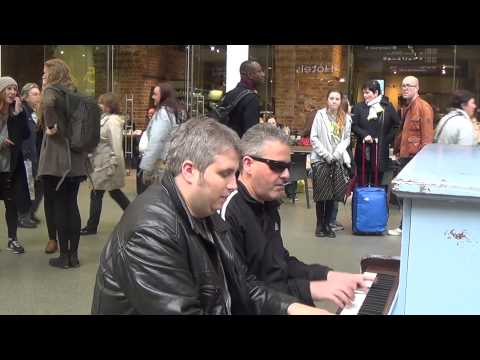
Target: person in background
x=330 y=138
x=107 y=162
x=30 y=96
x=374 y=118
x=159 y=132
x=13 y=178
x=416 y=129
x=60 y=169
x=334 y=224
x=456 y=127
x=247 y=112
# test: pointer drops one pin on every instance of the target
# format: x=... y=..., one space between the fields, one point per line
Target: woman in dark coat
x=375 y=118
x=13 y=178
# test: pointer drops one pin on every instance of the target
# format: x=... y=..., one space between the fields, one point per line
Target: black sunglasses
x=274 y=165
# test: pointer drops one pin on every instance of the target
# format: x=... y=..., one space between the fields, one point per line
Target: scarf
x=374 y=108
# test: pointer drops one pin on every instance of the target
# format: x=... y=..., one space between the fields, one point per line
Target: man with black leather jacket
x=252 y=213
x=171 y=253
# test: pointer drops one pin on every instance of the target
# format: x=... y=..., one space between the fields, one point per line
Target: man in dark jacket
x=252 y=213
x=171 y=253
x=30 y=96
x=247 y=112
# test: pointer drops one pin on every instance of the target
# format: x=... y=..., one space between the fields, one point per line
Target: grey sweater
x=321 y=139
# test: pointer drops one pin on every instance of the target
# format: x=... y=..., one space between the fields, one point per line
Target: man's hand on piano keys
x=352 y=281
x=301 y=309
x=334 y=291
x=340 y=287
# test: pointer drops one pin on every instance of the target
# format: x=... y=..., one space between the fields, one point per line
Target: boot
x=51 y=247
x=61 y=262
x=320 y=229
x=73 y=260
x=327 y=216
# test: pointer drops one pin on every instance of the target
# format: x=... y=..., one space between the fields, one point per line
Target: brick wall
x=138 y=68
x=296 y=93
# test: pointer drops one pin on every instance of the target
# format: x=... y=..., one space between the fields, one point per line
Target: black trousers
x=66 y=214
x=324 y=210
x=8 y=196
x=96 y=199
x=49 y=207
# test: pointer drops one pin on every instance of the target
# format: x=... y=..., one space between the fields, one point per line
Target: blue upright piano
x=440 y=249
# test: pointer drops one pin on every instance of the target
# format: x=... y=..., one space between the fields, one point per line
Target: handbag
x=330 y=181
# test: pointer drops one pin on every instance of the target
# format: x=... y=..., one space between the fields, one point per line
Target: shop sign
x=317 y=68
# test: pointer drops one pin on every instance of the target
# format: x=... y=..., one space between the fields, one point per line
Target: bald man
x=417 y=127
x=247 y=112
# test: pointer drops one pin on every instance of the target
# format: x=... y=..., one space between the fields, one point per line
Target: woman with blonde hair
x=330 y=137
x=61 y=169
x=107 y=162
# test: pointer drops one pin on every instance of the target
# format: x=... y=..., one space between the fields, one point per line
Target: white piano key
x=356 y=305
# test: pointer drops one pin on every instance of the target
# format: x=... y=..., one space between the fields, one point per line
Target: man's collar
x=249 y=84
x=242 y=190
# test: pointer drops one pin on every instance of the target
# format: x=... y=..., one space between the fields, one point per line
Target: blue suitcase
x=369 y=203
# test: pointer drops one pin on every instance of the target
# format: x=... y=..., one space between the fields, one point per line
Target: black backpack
x=222 y=112
x=83 y=120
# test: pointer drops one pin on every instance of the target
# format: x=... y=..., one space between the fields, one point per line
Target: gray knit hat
x=6 y=81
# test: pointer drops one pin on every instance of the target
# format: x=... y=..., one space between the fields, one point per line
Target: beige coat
x=107 y=160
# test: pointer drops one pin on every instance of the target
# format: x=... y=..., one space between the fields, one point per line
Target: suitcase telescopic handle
x=364 y=159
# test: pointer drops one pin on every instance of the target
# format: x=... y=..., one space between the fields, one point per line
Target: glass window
x=433 y=65
x=88 y=64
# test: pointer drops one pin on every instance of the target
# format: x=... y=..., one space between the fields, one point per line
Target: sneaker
x=15 y=247
x=337 y=227
x=26 y=223
x=87 y=231
x=395 y=232
x=34 y=219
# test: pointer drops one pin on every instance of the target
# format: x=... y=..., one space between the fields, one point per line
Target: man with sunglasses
x=252 y=213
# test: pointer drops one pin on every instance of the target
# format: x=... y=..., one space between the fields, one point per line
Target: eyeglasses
x=408 y=86
x=274 y=165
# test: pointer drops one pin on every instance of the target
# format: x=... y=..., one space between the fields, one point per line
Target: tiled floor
x=28 y=285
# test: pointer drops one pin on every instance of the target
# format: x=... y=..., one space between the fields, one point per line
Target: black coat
x=158 y=261
x=31 y=146
x=247 y=112
x=258 y=240
x=17 y=132
x=385 y=133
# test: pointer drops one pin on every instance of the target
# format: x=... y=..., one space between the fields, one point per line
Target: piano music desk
x=440 y=249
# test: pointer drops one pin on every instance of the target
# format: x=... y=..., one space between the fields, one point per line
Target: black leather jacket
x=158 y=261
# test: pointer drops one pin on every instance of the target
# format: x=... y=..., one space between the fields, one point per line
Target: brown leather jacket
x=417 y=128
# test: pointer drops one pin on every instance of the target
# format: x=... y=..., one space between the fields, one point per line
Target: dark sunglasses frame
x=274 y=165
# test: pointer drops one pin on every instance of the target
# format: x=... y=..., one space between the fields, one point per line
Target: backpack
x=222 y=112
x=83 y=120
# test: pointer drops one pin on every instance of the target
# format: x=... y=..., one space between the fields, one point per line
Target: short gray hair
x=26 y=90
x=254 y=139
x=200 y=140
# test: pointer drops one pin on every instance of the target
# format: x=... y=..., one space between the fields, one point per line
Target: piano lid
x=441 y=170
